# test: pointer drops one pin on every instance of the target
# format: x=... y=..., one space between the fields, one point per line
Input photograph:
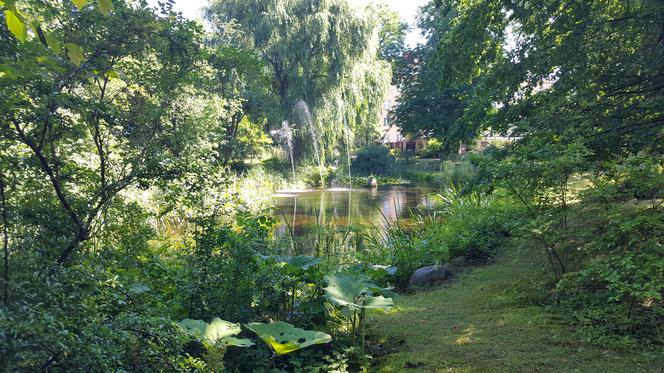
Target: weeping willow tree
x=323 y=59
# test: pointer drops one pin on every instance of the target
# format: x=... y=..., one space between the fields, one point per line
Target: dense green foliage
x=578 y=85
x=125 y=242
x=425 y=107
x=374 y=159
x=133 y=232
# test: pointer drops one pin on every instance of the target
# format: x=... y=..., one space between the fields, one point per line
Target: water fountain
x=301 y=109
x=347 y=133
x=287 y=137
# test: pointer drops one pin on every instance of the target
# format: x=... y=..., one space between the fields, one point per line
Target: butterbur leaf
x=237 y=342
x=196 y=328
x=284 y=338
x=75 y=53
x=217 y=330
x=16 y=25
x=345 y=290
x=294 y=264
x=79 y=3
x=300 y=263
x=355 y=292
x=390 y=270
x=378 y=303
x=104 y=6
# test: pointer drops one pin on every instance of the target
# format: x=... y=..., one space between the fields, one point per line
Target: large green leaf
x=390 y=270
x=53 y=42
x=16 y=24
x=79 y=3
x=355 y=292
x=284 y=338
x=216 y=330
x=104 y=6
x=294 y=264
x=300 y=263
x=75 y=53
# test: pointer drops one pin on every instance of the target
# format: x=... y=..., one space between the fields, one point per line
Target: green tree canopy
x=80 y=130
x=559 y=69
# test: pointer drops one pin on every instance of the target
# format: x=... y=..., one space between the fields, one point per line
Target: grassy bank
x=482 y=323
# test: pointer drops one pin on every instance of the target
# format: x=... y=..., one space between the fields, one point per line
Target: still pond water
x=304 y=211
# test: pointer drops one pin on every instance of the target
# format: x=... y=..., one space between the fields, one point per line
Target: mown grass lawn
x=480 y=323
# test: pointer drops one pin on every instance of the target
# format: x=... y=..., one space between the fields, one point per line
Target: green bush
x=373 y=159
x=617 y=298
x=311 y=175
x=223 y=276
x=475 y=226
x=433 y=149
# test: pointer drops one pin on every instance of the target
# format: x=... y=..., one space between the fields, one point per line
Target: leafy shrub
x=223 y=275
x=277 y=164
x=640 y=177
x=64 y=325
x=373 y=159
x=618 y=297
x=433 y=149
x=475 y=226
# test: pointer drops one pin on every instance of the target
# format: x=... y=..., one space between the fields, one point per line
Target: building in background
x=391 y=133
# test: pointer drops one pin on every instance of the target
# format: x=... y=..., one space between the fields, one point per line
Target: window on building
x=387 y=105
x=386 y=121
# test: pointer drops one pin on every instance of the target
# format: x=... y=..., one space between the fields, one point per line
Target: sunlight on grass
x=467 y=337
x=478 y=324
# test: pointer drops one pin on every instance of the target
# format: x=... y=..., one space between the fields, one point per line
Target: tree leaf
x=104 y=6
x=284 y=338
x=75 y=53
x=16 y=25
x=79 y=3
x=53 y=42
x=7 y=72
x=111 y=74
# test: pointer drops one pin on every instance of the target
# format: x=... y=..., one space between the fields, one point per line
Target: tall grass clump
x=456 y=173
x=406 y=245
x=476 y=224
x=473 y=225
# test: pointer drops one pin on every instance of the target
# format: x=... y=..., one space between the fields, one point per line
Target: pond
x=304 y=211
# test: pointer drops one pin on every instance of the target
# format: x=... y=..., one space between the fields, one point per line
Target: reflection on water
x=304 y=210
